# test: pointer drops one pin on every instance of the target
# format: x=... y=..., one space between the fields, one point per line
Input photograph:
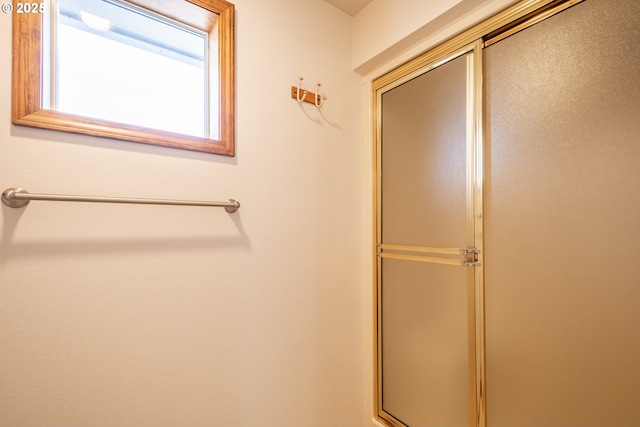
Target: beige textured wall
x=168 y=316
x=387 y=33
x=384 y=22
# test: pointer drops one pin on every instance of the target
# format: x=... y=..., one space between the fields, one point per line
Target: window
x=157 y=72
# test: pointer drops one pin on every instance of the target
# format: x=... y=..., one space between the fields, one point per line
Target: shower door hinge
x=472 y=257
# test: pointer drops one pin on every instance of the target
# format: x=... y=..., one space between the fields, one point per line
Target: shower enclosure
x=508 y=198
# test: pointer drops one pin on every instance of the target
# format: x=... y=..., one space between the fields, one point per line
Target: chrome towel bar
x=18 y=198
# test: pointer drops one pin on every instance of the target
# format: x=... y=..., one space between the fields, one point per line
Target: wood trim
x=27 y=36
x=65 y=122
x=226 y=55
x=27 y=103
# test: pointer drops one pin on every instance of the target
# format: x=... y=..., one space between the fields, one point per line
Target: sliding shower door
x=542 y=206
x=562 y=220
x=427 y=252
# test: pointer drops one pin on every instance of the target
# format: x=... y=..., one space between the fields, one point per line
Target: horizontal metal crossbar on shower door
x=466 y=257
x=18 y=198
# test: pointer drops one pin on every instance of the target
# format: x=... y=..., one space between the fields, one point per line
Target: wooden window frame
x=27 y=88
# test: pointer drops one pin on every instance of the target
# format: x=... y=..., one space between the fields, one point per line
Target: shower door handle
x=465 y=257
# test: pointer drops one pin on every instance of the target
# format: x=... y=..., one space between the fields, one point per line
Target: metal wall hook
x=318 y=100
x=304 y=93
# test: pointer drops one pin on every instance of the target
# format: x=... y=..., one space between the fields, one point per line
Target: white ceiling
x=352 y=7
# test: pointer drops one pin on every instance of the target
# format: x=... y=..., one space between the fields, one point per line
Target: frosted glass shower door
x=562 y=220
x=425 y=240
x=424 y=159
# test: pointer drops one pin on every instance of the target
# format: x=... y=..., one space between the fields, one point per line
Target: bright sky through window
x=137 y=68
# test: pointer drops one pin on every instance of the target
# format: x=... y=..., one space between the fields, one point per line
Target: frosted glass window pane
x=424 y=159
x=562 y=204
x=425 y=355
